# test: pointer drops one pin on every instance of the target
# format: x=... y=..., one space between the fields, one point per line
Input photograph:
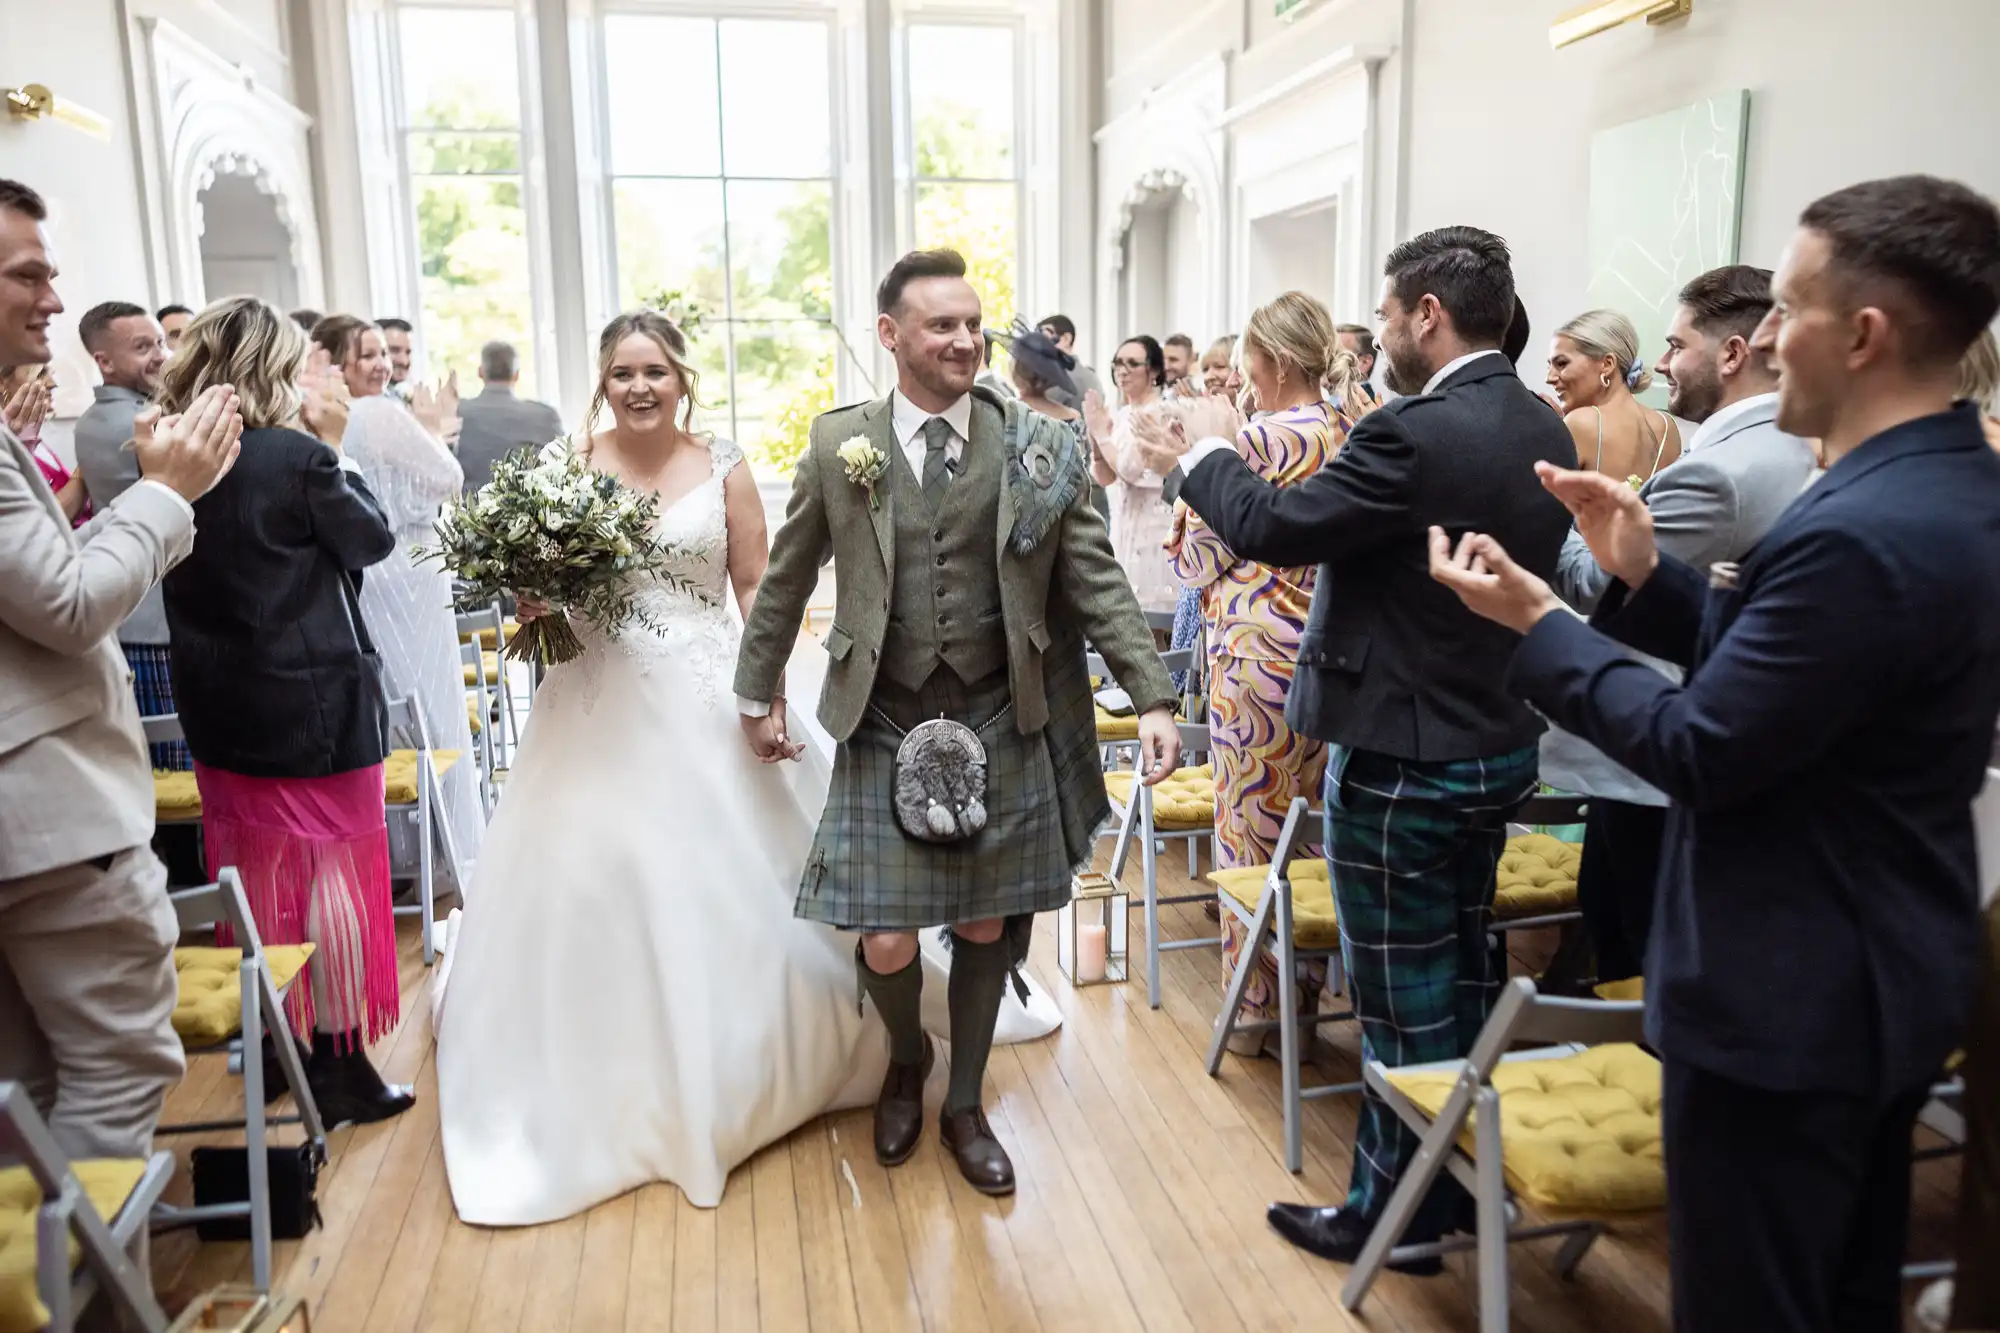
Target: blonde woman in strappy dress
x=1597 y=374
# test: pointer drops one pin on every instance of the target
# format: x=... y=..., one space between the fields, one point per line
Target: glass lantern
x=1090 y=931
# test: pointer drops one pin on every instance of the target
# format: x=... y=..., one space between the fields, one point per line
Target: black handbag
x=222 y=1175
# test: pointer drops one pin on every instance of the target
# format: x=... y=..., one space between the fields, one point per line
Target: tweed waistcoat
x=946 y=604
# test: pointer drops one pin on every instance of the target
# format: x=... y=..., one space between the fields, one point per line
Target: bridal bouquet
x=557 y=530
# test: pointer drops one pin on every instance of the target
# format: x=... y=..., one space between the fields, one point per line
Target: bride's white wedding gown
x=630 y=998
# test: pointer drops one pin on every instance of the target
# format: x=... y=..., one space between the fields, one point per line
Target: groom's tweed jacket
x=1046 y=790
x=829 y=513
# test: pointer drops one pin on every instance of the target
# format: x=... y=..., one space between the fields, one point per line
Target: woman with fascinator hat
x=1597 y=374
x=1041 y=369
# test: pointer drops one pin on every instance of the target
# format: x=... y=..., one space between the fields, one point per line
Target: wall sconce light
x=34 y=101
x=1604 y=15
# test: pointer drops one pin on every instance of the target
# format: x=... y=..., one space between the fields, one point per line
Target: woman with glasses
x=1141 y=519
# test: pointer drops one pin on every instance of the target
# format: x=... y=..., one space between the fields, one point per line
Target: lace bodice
x=689 y=610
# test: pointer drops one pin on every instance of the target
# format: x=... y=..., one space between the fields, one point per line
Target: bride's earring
x=1604 y=381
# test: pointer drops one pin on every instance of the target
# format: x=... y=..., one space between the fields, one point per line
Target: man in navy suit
x=1815 y=940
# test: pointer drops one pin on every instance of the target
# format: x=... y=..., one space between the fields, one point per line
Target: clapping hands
x=1611 y=518
x=326 y=403
x=437 y=409
x=27 y=407
x=193 y=450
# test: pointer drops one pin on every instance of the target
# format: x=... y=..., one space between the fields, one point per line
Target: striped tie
x=938 y=436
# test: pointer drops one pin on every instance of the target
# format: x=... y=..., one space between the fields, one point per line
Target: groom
x=967 y=556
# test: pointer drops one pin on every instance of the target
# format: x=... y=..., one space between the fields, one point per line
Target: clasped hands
x=1610 y=517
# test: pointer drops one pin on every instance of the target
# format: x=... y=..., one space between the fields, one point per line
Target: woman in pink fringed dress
x=280 y=691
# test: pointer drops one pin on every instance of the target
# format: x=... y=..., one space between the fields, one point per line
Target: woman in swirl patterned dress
x=1255 y=614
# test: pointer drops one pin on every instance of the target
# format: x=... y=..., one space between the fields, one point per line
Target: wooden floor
x=1142 y=1191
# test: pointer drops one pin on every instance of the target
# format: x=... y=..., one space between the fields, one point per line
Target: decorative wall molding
x=210 y=117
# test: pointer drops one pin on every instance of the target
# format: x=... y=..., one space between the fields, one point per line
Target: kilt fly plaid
x=153 y=687
x=865 y=874
x=1413 y=849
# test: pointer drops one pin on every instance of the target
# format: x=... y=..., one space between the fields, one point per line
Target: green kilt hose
x=866 y=874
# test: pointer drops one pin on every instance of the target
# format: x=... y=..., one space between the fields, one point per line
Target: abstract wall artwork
x=1666 y=203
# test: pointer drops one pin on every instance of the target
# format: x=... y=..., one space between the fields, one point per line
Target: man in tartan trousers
x=967 y=557
x=1430 y=754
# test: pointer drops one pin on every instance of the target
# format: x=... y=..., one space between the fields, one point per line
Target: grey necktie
x=938 y=436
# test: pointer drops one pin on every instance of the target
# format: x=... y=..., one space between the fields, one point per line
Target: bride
x=630 y=998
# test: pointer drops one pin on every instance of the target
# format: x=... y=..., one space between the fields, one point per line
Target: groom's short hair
x=1468 y=270
x=914 y=265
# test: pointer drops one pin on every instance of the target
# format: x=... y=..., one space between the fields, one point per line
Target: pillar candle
x=1091 y=945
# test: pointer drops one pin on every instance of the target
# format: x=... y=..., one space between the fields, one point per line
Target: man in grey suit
x=496 y=423
x=87 y=933
x=1737 y=475
x=130 y=349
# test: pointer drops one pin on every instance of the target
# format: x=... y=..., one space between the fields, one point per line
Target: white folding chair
x=262 y=998
x=1273 y=926
x=487 y=731
x=1521 y=1015
x=424 y=811
x=1133 y=809
x=113 y=1250
x=1118 y=736
x=486 y=630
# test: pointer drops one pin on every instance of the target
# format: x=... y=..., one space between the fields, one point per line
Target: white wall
x=104 y=225
x=1278 y=128
x=1841 y=91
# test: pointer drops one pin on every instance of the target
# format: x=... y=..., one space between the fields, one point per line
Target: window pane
x=784 y=378
x=978 y=221
x=963 y=125
x=708 y=355
x=459 y=68
x=670 y=239
x=776 y=105
x=467 y=154
x=780 y=249
x=473 y=244
x=660 y=74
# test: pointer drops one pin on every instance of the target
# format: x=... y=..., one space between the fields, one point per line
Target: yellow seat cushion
x=399 y=774
x=1184 y=802
x=1631 y=988
x=471 y=672
x=210 y=1007
x=107 y=1182
x=472 y=714
x=487 y=639
x=175 y=796
x=1314 y=925
x=1537 y=876
x=1580 y=1134
x=1111 y=728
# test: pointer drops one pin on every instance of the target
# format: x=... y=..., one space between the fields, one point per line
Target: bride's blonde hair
x=672 y=344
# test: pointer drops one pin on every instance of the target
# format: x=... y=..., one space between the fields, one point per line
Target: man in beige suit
x=86 y=930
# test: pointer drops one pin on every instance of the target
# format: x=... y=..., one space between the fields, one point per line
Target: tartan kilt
x=864 y=873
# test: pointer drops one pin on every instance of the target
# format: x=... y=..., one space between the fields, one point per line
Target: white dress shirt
x=906 y=423
x=1727 y=417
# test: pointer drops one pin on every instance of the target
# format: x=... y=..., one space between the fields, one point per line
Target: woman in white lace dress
x=408 y=605
x=630 y=998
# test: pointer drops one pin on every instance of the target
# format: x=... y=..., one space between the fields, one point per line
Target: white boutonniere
x=865 y=464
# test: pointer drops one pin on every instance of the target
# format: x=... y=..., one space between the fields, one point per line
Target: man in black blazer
x=1815 y=940
x=1431 y=755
